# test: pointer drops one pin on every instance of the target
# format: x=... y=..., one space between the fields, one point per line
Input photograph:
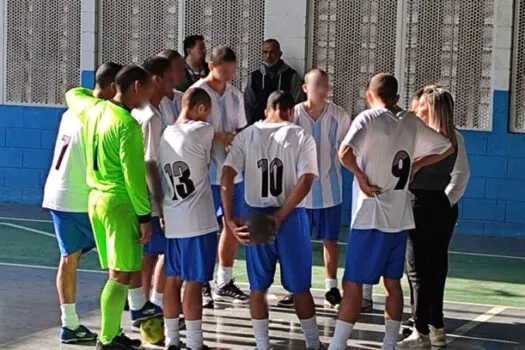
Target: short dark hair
x=169 y=54
x=106 y=74
x=384 y=86
x=157 y=65
x=194 y=97
x=130 y=74
x=280 y=100
x=313 y=71
x=222 y=54
x=190 y=42
x=274 y=42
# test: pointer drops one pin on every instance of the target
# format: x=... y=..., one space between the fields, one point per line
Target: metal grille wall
x=517 y=121
x=236 y=23
x=133 y=30
x=42 y=51
x=450 y=42
x=353 y=40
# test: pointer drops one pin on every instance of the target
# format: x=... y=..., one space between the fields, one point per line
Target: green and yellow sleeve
x=80 y=100
x=134 y=169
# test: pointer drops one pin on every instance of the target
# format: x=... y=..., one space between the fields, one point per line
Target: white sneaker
x=438 y=337
x=415 y=341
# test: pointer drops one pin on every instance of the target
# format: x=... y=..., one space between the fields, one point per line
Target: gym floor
x=485 y=307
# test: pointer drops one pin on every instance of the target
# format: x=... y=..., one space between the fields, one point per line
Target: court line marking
x=43 y=267
x=313 y=241
x=470 y=325
x=30 y=229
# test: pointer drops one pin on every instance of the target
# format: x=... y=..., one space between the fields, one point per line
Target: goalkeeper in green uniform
x=119 y=207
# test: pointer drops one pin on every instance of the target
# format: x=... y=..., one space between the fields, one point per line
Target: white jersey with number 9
x=385 y=146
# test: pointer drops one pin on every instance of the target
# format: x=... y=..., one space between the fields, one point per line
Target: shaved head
x=384 y=86
x=313 y=74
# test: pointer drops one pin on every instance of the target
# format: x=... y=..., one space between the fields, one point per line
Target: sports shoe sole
x=329 y=305
x=78 y=340
x=229 y=300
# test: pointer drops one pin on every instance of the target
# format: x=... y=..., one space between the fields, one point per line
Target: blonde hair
x=441 y=111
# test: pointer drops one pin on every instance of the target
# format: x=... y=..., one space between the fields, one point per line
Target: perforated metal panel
x=353 y=40
x=43 y=50
x=133 y=30
x=450 y=42
x=236 y=23
x=517 y=113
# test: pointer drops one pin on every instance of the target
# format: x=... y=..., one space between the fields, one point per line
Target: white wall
x=502 y=43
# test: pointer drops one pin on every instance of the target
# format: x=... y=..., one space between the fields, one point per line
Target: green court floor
x=473 y=278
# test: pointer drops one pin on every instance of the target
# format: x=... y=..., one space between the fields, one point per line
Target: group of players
x=139 y=163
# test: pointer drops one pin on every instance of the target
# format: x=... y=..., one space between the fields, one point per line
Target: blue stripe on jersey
x=212 y=171
x=236 y=106
x=317 y=189
x=224 y=114
x=175 y=106
x=334 y=169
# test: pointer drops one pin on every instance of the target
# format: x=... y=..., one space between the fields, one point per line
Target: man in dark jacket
x=195 y=66
x=273 y=75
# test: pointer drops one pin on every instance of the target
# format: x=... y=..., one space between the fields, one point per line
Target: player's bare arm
x=296 y=196
x=431 y=159
x=227 y=188
x=225 y=138
x=154 y=186
x=348 y=159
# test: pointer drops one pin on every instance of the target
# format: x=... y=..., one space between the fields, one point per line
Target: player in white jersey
x=279 y=162
x=170 y=106
x=189 y=216
x=328 y=124
x=141 y=297
x=227 y=117
x=379 y=150
x=66 y=196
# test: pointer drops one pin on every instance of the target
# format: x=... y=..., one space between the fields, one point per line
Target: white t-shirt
x=328 y=132
x=151 y=121
x=184 y=155
x=170 y=109
x=227 y=115
x=273 y=157
x=66 y=188
x=385 y=146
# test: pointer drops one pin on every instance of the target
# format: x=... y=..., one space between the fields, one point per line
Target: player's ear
x=265 y=113
x=201 y=109
x=369 y=96
x=113 y=88
x=211 y=66
x=305 y=88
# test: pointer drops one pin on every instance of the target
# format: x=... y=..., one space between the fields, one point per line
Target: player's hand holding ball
x=146 y=230
x=262 y=227
x=240 y=231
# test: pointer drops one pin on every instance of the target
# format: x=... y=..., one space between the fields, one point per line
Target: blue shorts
x=372 y=254
x=239 y=205
x=191 y=259
x=157 y=244
x=325 y=223
x=73 y=231
x=291 y=248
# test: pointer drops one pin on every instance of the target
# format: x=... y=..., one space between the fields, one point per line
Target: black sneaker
x=174 y=347
x=333 y=298
x=119 y=343
x=131 y=343
x=207 y=300
x=287 y=301
x=230 y=293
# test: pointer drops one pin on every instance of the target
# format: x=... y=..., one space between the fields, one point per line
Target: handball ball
x=152 y=330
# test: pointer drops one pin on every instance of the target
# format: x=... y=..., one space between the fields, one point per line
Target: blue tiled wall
x=494 y=203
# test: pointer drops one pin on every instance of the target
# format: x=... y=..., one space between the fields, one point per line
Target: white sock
x=329 y=284
x=342 y=333
x=194 y=334
x=311 y=333
x=69 y=316
x=391 y=333
x=171 y=331
x=157 y=298
x=224 y=276
x=262 y=337
x=136 y=299
x=367 y=291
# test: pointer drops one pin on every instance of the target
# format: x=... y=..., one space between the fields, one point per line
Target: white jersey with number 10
x=66 y=188
x=184 y=156
x=385 y=146
x=273 y=157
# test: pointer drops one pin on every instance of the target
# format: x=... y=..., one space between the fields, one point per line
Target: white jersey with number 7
x=66 y=188
x=273 y=157
x=385 y=146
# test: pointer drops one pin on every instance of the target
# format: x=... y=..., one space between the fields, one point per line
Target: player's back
x=66 y=188
x=111 y=130
x=184 y=155
x=275 y=156
x=386 y=146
